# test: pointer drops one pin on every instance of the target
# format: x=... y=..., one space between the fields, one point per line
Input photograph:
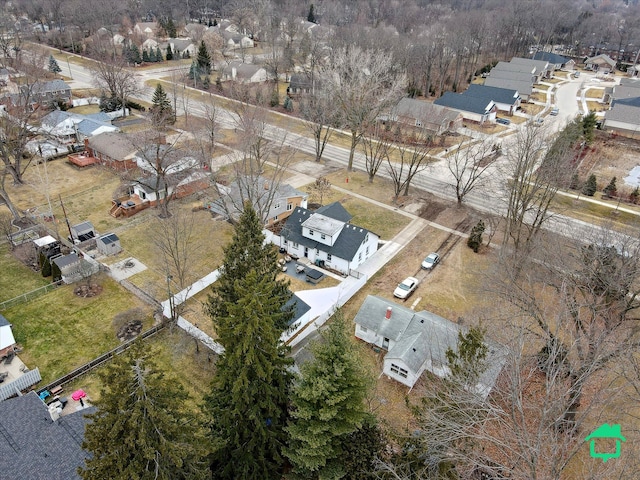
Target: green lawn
x=16 y=277
x=60 y=331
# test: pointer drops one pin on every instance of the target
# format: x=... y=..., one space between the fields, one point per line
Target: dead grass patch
x=596 y=106
x=594 y=93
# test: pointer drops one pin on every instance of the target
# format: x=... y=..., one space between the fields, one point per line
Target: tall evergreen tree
x=169 y=55
x=204 y=59
x=328 y=405
x=247 y=406
x=312 y=14
x=145 y=56
x=170 y=28
x=161 y=110
x=142 y=429
x=591 y=186
x=53 y=65
x=611 y=190
x=158 y=54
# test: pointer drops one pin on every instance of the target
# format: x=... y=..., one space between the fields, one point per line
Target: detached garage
x=108 y=244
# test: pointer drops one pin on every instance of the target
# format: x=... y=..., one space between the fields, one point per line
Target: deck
x=127 y=206
x=82 y=159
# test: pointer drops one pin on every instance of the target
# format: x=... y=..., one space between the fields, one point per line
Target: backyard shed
x=82 y=232
x=48 y=245
x=108 y=244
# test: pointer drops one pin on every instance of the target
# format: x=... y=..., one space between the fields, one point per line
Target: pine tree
x=590 y=187
x=142 y=428
x=158 y=54
x=328 y=405
x=611 y=190
x=204 y=60
x=152 y=55
x=45 y=265
x=215 y=22
x=247 y=406
x=171 y=29
x=312 y=14
x=145 y=56
x=53 y=65
x=634 y=195
x=161 y=110
x=475 y=237
x=134 y=54
x=169 y=55
x=589 y=122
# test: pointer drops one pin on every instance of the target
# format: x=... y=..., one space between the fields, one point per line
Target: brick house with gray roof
x=418 y=341
x=33 y=445
x=113 y=149
x=327 y=238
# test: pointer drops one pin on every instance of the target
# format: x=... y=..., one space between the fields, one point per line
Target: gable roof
x=66 y=260
x=344 y=247
x=514 y=67
x=631 y=102
x=427 y=112
x=299 y=306
x=625 y=91
x=336 y=211
x=108 y=238
x=114 y=144
x=601 y=59
x=539 y=65
x=630 y=82
x=524 y=87
x=243 y=70
x=551 y=58
x=50 y=86
x=497 y=94
x=465 y=103
x=423 y=336
x=34 y=446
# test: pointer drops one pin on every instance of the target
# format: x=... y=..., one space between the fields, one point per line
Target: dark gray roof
x=300 y=80
x=631 y=102
x=300 y=307
x=540 y=65
x=34 y=446
x=551 y=58
x=497 y=94
x=631 y=82
x=345 y=247
x=66 y=260
x=83 y=227
x=465 y=103
x=524 y=87
x=625 y=91
x=336 y=211
x=3 y=321
x=51 y=86
x=513 y=67
x=108 y=238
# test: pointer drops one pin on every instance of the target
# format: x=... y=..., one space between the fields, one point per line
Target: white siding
x=399 y=371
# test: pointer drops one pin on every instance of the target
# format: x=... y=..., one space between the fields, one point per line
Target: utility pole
x=64 y=211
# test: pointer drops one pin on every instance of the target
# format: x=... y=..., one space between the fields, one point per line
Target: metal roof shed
x=83 y=231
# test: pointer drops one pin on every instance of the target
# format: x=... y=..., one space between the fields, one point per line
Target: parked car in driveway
x=430 y=261
x=406 y=287
x=554 y=111
x=503 y=121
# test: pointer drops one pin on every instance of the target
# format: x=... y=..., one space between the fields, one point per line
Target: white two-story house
x=327 y=238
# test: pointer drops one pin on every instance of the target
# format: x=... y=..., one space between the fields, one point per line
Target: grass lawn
x=538 y=97
x=597 y=214
x=16 y=277
x=594 y=93
x=85 y=109
x=596 y=106
x=531 y=109
x=556 y=80
x=60 y=331
x=542 y=87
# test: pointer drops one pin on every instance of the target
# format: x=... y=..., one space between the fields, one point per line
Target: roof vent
x=413 y=349
x=360 y=230
x=388 y=314
x=422 y=320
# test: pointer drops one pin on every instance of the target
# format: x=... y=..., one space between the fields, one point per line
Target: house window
x=418 y=123
x=366 y=238
x=311 y=233
x=285 y=241
x=367 y=249
x=317 y=252
x=275 y=218
x=143 y=195
x=289 y=206
x=363 y=329
x=399 y=371
x=360 y=256
x=294 y=245
x=322 y=236
x=328 y=257
x=277 y=206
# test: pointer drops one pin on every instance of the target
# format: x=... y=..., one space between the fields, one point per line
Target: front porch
x=127 y=206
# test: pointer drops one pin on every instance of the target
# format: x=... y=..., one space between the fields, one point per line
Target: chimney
x=388 y=314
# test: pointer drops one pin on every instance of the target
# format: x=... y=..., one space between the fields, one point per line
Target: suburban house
x=149 y=44
x=475 y=109
x=181 y=45
x=506 y=100
x=622 y=118
x=600 y=63
x=558 y=62
x=301 y=313
x=146 y=29
x=418 y=341
x=419 y=114
x=299 y=84
x=634 y=71
x=7 y=341
x=37 y=443
x=235 y=40
x=326 y=238
x=542 y=67
x=272 y=204
x=46 y=93
x=108 y=244
x=519 y=74
x=192 y=30
x=113 y=149
x=68 y=127
x=244 y=73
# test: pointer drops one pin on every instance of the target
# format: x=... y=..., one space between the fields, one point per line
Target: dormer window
x=311 y=233
x=322 y=236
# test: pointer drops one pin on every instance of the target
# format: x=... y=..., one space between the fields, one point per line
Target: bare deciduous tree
x=376 y=150
x=363 y=84
x=468 y=165
x=320 y=188
x=405 y=161
x=112 y=75
x=319 y=118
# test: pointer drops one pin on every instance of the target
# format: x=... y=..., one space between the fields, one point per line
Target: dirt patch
x=88 y=291
x=129 y=331
x=609 y=157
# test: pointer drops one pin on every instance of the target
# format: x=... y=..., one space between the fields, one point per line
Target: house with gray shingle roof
x=556 y=61
x=622 y=118
x=33 y=445
x=244 y=73
x=476 y=109
x=600 y=63
x=418 y=341
x=424 y=115
x=506 y=99
x=69 y=127
x=272 y=203
x=114 y=149
x=325 y=238
x=542 y=67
